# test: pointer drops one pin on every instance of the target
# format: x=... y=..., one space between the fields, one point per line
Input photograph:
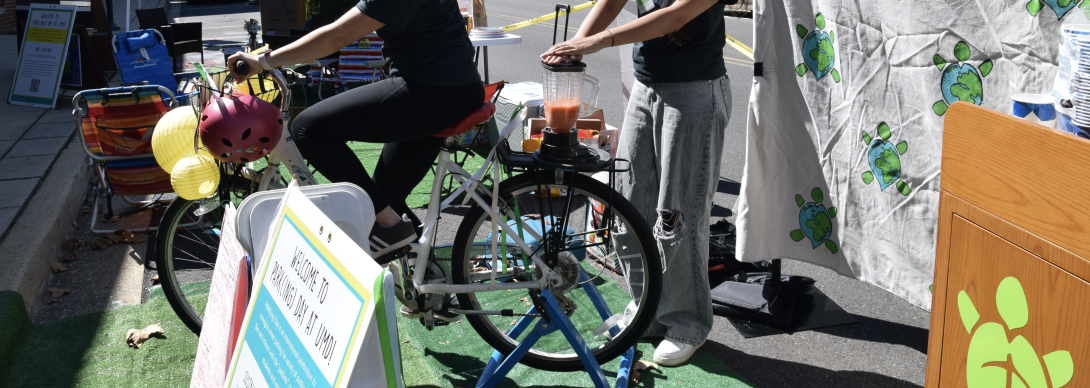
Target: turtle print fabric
x=845 y=124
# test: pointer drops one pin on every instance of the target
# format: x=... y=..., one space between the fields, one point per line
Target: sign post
x=41 y=59
x=312 y=307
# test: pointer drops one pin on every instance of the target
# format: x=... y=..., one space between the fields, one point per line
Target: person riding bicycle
x=434 y=83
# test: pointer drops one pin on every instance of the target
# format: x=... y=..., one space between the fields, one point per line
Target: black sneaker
x=386 y=240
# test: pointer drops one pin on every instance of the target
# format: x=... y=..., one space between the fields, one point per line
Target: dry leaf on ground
x=101 y=244
x=641 y=365
x=75 y=225
x=405 y=341
x=523 y=299
x=57 y=267
x=137 y=337
x=85 y=210
x=478 y=269
x=514 y=321
x=71 y=245
x=68 y=257
x=155 y=279
x=75 y=271
x=114 y=219
x=58 y=292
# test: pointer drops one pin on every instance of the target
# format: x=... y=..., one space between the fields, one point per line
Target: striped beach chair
x=116 y=125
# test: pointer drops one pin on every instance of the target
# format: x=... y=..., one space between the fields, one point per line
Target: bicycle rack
x=553 y=319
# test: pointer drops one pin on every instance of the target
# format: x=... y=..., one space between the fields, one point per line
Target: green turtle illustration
x=818 y=53
x=815 y=222
x=989 y=351
x=884 y=159
x=960 y=81
x=1059 y=6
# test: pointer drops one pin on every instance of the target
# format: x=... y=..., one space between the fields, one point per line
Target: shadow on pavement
x=877 y=330
x=769 y=372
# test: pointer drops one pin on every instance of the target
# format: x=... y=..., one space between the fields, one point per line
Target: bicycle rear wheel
x=620 y=262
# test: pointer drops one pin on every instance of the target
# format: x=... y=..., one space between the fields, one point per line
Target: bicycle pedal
x=393 y=255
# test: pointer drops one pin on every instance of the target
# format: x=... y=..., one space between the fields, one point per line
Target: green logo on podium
x=987 y=364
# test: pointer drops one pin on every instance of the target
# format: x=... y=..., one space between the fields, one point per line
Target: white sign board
x=41 y=59
x=221 y=312
x=311 y=305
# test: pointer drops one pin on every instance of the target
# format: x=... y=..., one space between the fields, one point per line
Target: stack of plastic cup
x=1080 y=86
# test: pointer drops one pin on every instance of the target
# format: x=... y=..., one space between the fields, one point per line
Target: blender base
x=564 y=151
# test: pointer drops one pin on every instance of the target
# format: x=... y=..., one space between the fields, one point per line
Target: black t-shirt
x=701 y=58
x=424 y=40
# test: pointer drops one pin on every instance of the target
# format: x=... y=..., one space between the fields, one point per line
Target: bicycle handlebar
x=241 y=67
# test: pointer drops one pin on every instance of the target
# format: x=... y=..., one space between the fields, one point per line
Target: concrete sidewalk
x=43 y=178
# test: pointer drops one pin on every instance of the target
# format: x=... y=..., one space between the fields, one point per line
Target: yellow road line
x=732 y=61
x=545 y=17
x=741 y=47
x=509 y=17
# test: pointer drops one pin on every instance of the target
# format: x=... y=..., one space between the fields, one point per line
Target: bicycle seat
x=478 y=116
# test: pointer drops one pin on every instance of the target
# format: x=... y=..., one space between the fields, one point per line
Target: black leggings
x=400 y=113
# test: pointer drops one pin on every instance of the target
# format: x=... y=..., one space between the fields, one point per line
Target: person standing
x=673 y=134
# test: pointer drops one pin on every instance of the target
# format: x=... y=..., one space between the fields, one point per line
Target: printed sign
x=312 y=302
x=41 y=59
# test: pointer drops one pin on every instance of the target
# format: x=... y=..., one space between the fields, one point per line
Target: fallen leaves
x=57 y=267
x=405 y=341
x=478 y=269
x=136 y=337
x=155 y=279
x=70 y=245
x=85 y=210
x=118 y=237
x=58 y=292
x=514 y=321
x=75 y=225
x=641 y=365
x=68 y=257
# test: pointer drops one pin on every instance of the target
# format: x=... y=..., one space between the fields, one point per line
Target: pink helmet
x=240 y=129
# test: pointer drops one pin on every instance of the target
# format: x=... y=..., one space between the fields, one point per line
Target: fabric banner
x=844 y=134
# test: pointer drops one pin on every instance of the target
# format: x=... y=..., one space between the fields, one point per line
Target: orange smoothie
x=560 y=115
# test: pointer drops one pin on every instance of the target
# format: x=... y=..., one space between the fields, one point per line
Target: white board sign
x=311 y=304
x=41 y=59
x=216 y=340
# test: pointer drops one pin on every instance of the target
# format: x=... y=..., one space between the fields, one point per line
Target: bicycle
x=589 y=242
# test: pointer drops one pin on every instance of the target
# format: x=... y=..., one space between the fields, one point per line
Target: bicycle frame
x=288 y=154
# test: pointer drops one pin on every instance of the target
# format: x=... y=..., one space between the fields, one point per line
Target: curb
x=35 y=238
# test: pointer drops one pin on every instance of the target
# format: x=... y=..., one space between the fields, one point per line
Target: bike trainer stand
x=552 y=319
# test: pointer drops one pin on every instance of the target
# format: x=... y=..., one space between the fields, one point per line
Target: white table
x=498 y=41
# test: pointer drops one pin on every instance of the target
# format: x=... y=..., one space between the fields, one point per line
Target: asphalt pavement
x=887 y=348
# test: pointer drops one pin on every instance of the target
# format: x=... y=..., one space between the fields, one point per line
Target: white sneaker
x=670 y=353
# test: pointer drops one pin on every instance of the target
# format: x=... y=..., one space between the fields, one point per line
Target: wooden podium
x=1011 y=304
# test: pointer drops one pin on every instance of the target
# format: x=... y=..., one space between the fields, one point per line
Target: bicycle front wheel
x=186 y=246
x=607 y=268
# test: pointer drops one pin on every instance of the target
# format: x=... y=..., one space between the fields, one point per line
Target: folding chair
x=142 y=56
x=116 y=127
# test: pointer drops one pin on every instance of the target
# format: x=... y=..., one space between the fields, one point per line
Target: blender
x=569 y=94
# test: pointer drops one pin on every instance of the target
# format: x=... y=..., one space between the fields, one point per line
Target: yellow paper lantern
x=173 y=137
x=195 y=177
x=254 y=83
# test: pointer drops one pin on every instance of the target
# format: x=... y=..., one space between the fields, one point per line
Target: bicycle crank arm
x=503 y=313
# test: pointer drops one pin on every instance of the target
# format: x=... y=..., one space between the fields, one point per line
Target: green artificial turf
x=90 y=350
x=455 y=355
